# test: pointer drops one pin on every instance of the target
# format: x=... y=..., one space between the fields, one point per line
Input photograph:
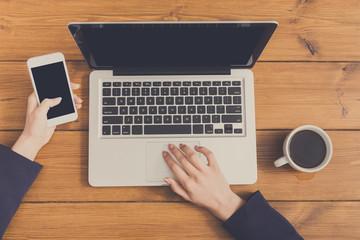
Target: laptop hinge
x=118 y=71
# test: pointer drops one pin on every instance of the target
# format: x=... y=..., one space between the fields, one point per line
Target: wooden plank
x=64 y=176
x=313 y=220
x=287 y=95
x=309 y=30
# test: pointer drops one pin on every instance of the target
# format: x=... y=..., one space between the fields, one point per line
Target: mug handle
x=281 y=161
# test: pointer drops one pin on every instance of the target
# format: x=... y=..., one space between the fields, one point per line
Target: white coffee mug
x=286 y=159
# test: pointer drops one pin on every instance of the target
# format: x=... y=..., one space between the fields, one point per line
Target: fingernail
x=164 y=154
x=167 y=181
x=77 y=84
x=181 y=145
x=171 y=146
x=196 y=146
x=59 y=98
x=80 y=100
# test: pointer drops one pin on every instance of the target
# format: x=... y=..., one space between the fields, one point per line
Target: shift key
x=231 y=118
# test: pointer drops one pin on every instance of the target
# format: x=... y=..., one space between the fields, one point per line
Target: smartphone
x=50 y=79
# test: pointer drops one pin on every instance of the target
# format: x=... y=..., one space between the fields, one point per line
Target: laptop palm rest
x=156 y=167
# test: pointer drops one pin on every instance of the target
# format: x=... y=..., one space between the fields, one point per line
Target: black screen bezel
x=75 y=30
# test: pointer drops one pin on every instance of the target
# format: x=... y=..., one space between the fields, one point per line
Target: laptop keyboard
x=151 y=108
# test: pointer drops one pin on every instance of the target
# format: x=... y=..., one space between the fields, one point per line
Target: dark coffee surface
x=307 y=149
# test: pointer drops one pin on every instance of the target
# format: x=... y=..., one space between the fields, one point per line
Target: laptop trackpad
x=156 y=167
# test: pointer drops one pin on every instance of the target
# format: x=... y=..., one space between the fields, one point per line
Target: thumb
x=177 y=188
x=47 y=103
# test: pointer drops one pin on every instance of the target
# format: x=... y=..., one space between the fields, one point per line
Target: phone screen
x=51 y=82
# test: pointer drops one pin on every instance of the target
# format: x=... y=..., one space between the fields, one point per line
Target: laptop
x=155 y=83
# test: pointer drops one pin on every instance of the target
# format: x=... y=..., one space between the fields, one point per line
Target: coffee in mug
x=307 y=148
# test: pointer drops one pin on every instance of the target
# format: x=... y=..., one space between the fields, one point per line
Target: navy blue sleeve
x=17 y=174
x=256 y=219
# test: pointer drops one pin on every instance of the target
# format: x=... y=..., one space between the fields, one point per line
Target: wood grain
x=308 y=30
x=287 y=95
x=313 y=220
x=64 y=176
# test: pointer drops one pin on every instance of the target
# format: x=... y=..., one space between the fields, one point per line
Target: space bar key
x=167 y=129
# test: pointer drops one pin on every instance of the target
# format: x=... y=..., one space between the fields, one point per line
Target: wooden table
x=308 y=74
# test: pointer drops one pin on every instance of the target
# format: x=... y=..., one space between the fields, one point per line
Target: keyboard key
x=200 y=109
x=167 y=129
x=106 y=84
x=206 y=118
x=126 y=91
x=166 y=83
x=137 y=130
x=137 y=84
x=189 y=100
x=108 y=101
x=128 y=119
x=216 y=83
x=123 y=110
x=215 y=118
x=136 y=91
x=196 y=119
x=150 y=101
x=117 y=84
x=174 y=91
x=110 y=110
x=218 y=131
x=231 y=119
x=133 y=110
x=193 y=91
x=234 y=90
x=198 y=100
x=227 y=100
x=116 y=91
x=206 y=83
x=155 y=91
x=237 y=100
x=116 y=130
x=179 y=100
x=130 y=101
x=198 y=129
x=160 y=100
x=127 y=84
x=121 y=101
x=186 y=119
x=197 y=83
x=220 y=109
x=138 y=119
x=191 y=110
x=177 y=119
x=106 y=130
x=148 y=119
x=228 y=128
x=209 y=129
x=226 y=83
x=106 y=91
x=125 y=130
x=153 y=110
x=140 y=101
x=181 y=109
x=187 y=83
x=157 y=119
x=176 y=83
x=184 y=91
x=233 y=109
x=222 y=90
x=156 y=83
x=237 y=130
x=169 y=100
x=212 y=91
x=164 y=91
x=167 y=119
x=162 y=110
x=208 y=100
x=210 y=109
x=236 y=83
x=203 y=91
x=113 y=120
x=146 y=84
x=217 y=100
x=172 y=110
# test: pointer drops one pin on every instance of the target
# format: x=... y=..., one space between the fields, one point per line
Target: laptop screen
x=171 y=45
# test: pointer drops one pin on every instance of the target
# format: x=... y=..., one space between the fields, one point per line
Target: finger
x=75 y=86
x=77 y=99
x=78 y=106
x=208 y=154
x=193 y=156
x=179 y=173
x=177 y=188
x=47 y=103
x=32 y=103
x=183 y=160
